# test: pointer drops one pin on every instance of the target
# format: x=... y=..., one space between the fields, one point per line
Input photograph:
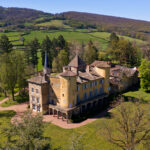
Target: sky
x=135 y=9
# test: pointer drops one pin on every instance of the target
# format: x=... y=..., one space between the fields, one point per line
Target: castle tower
x=68 y=89
x=103 y=69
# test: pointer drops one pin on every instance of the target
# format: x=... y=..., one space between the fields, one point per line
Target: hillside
x=23 y=18
x=130 y=27
x=9 y=16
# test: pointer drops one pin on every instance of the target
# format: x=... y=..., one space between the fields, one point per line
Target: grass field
x=56 y=23
x=5 y=117
x=93 y=137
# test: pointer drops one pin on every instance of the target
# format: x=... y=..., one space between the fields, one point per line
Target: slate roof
x=121 y=70
x=68 y=74
x=38 y=80
x=76 y=62
x=101 y=64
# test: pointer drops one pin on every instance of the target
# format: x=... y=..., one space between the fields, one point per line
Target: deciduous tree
x=132 y=127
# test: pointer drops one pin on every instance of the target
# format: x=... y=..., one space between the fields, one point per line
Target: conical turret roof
x=76 y=62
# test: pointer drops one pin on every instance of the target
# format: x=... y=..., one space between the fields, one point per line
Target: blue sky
x=136 y=9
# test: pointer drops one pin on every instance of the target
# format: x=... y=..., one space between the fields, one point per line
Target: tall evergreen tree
x=32 y=52
x=47 y=47
x=5 y=45
x=61 y=42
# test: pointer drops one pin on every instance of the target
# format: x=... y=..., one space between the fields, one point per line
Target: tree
x=55 y=65
x=5 y=45
x=90 y=53
x=61 y=42
x=12 y=68
x=144 y=72
x=114 y=37
x=28 y=134
x=47 y=47
x=132 y=127
x=124 y=53
x=32 y=52
x=61 y=60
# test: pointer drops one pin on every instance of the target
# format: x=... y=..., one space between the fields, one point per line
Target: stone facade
x=77 y=88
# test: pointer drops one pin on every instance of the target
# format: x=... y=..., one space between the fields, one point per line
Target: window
x=102 y=81
x=70 y=105
x=63 y=95
x=101 y=90
x=84 y=86
x=91 y=84
x=32 y=89
x=95 y=92
x=91 y=94
x=38 y=100
x=38 y=108
x=33 y=106
x=78 y=88
x=95 y=82
x=85 y=96
x=33 y=98
x=109 y=88
x=37 y=91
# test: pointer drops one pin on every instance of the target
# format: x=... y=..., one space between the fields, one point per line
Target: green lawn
x=93 y=133
x=138 y=94
x=2 y=97
x=18 y=100
x=5 y=117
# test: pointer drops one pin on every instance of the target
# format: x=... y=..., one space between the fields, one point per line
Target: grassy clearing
x=56 y=23
x=139 y=94
x=18 y=100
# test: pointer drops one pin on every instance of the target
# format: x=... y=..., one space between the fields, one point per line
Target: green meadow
x=93 y=135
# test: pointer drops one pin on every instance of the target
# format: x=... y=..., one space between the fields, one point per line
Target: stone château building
x=78 y=88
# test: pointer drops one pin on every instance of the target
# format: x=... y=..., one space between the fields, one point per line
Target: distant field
x=100 y=38
x=56 y=23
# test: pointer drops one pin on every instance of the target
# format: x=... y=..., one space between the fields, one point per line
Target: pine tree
x=5 y=45
x=47 y=47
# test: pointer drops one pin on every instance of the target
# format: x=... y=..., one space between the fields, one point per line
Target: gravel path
x=21 y=108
